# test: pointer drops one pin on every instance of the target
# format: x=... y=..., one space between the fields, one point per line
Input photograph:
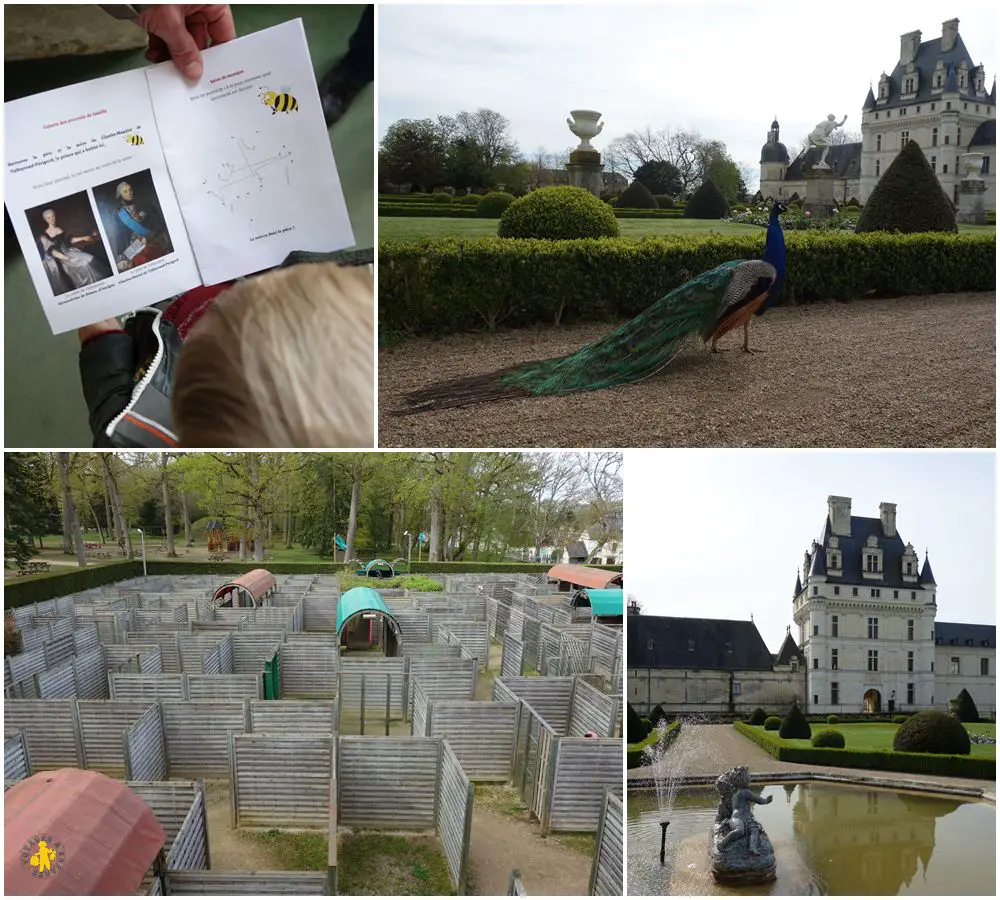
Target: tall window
x=933 y=137
x=873 y=660
x=944 y=169
x=878 y=142
x=909 y=660
x=854 y=592
x=909 y=568
x=836 y=590
x=910 y=695
x=947 y=139
x=815 y=630
x=904 y=138
x=956 y=665
x=834 y=661
x=835 y=626
x=934 y=164
x=909 y=629
x=984 y=665
x=834 y=693
x=986 y=166
x=876 y=592
x=871 y=562
x=895 y=595
x=878 y=168
x=958 y=137
x=872 y=628
x=815 y=662
x=815 y=590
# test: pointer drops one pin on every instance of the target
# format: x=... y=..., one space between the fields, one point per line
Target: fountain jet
x=663 y=840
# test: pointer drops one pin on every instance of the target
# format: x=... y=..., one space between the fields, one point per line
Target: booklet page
x=88 y=193
x=249 y=154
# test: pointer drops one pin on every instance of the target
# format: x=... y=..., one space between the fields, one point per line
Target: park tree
x=489 y=132
x=414 y=152
x=659 y=177
x=28 y=503
x=72 y=533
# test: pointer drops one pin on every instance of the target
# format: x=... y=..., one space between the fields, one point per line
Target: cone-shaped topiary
x=932 y=731
x=794 y=725
x=708 y=202
x=964 y=707
x=664 y=201
x=795 y=198
x=772 y=723
x=908 y=198
x=758 y=716
x=492 y=206
x=657 y=715
x=828 y=738
x=637 y=196
x=558 y=213
x=633 y=726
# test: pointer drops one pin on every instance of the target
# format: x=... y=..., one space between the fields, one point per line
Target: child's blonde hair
x=282 y=360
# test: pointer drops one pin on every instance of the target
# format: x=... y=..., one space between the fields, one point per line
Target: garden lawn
x=878 y=737
x=405 y=228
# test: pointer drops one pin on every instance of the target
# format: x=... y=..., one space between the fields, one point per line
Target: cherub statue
x=741 y=820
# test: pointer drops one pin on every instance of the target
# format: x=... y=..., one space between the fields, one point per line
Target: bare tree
x=352 y=522
x=490 y=132
x=71 y=520
x=168 y=517
x=122 y=533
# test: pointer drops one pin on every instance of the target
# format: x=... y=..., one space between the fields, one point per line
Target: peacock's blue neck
x=774 y=248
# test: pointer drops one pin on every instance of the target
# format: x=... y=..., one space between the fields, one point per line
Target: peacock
x=710 y=305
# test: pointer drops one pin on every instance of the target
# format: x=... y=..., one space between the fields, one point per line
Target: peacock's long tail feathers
x=633 y=351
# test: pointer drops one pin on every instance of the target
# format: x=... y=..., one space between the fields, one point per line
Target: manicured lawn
x=878 y=736
x=398 y=228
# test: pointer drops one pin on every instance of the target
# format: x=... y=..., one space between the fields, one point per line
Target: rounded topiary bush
x=757 y=717
x=932 y=732
x=558 y=213
x=664 y=201
x=828 y=738
x=708 y=202
x=899 y=720
x=908 y=198
x=963 y=707
x=493 y=205
x=471 y=199
x=637 y=196
x=795 y=726
x=441 y=197
x=832 y=720
x=772 y=723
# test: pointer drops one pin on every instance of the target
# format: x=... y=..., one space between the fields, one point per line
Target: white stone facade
x=926 y=99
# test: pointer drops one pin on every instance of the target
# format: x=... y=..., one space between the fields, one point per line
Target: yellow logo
x=43 y=856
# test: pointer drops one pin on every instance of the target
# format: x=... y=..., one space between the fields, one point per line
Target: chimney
x=839 y=510
x=887 y=513
x=949 y=35
x=908 y=45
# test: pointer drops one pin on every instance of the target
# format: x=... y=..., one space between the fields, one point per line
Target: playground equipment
x=365 y=622
x=250 y=590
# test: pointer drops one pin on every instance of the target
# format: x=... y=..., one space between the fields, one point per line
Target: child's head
x=282 y=360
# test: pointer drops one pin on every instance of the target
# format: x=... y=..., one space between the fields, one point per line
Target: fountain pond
x=828 y=839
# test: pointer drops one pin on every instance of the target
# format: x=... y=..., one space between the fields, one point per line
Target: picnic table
x=32 y=568
x=92 y=545
x=217 y=557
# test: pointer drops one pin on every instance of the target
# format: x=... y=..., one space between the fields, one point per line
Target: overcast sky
x=723 y=69
x=720 y=534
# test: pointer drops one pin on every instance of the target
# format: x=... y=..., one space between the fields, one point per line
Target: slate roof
x=870 y=99
x=774 y=152
x=798 y=585
x=668 y=642
x=928 y=54
x=926 y=575
x=852 y=550
x=986 y=134
x=789 y=651
x=844 y=159
x=959 y=633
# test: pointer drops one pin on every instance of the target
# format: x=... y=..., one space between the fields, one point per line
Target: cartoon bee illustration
x=279 y=102
x=134 y=139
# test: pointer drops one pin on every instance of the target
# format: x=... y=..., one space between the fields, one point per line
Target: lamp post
x=409 y=547
x=142 y=541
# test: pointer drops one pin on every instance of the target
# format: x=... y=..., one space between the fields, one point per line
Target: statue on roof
x=820 y=137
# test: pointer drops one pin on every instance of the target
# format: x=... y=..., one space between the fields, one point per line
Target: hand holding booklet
x=129 y=189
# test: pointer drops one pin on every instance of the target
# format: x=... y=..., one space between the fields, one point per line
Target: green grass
x=412 y=582
x=371 y=863
x=878 y=736
x=304 y=851
x=413 y=229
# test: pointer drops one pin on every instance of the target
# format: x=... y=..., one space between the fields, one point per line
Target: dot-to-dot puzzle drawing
x=253 y=172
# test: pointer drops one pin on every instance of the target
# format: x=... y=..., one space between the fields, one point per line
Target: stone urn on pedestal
x=585 y=164
x=971 y=190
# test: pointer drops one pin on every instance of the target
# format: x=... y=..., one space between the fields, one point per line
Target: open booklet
x=129 y=189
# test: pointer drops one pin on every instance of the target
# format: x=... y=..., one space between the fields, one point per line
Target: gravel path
x=907 y=372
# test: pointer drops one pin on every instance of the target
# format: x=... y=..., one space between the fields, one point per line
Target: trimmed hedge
x=36 y=588
x=899 y=720
x=557 y=214
x=492 y=205
x=428 y=210
x=772 y=723
x=828 y=738
x=932 y=731
x=436 y=287
x=635 y=755
x=832 y=720
x=881 y=760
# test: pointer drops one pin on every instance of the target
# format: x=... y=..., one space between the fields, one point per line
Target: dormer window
x=909 y=568
x=871 y=562
x=937 y=81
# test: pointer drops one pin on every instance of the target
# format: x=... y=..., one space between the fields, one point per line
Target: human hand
x=97 y=329
x=181 y=32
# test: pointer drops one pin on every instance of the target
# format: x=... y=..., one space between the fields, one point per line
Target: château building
x=934 y=95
